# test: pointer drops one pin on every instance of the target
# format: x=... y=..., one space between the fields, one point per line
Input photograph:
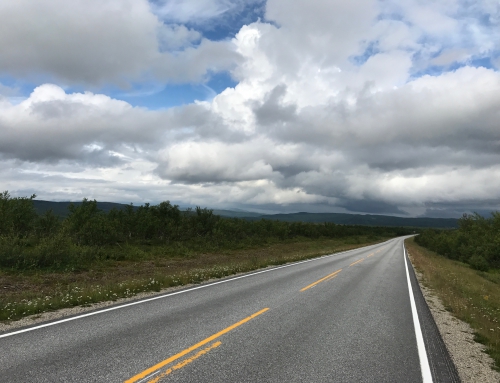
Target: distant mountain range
x=364 y=219
x=61 y=209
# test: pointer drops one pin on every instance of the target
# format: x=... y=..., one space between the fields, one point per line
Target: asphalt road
x=340 y=318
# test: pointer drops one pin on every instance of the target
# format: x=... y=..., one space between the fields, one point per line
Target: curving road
x=342 y=318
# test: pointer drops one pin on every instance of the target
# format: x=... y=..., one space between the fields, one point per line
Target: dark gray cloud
x=272 y=111
x=371 y=206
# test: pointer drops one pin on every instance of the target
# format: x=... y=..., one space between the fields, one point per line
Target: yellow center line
x=185 y=362
x=371 y=254
x=359 y=260
x=321 y=280
x=192 y=348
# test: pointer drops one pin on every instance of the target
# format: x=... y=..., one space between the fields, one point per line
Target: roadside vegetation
x=91 y=256
x=468 y=292
x=475 y=242
x=463 y=267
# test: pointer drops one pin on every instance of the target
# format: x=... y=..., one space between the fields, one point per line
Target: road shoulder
x=469 y=357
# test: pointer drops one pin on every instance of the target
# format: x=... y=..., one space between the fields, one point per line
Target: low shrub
x=476 y=241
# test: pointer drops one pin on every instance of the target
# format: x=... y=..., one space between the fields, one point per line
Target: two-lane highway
x=342 y=318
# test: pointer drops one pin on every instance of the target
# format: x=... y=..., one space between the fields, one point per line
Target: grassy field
x=35 y=291
x=471 y=295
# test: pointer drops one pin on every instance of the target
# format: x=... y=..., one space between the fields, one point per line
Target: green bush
x=476 y=241
x=479 y=263
x=53 y=252
x=17 y=215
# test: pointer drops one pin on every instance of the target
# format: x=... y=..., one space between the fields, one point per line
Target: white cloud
x=450 y=56
x=175 y=37
x=325 y=30
x=51 y=125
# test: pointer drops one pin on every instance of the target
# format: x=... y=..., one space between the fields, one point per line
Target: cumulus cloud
x=338 y=107
x=175 y=37
x=51 y=125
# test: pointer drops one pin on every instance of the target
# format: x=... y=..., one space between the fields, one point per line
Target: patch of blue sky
x=371 y=50
x=14 y=90
x=156 y=97
x=484 y=62
x=21 y=89
x=479 y=11
x=148 y=95
x=215 y=19
x=485 y=20
x=228 y=24
x=163 y=97
x=432 y=70
x=218 y=82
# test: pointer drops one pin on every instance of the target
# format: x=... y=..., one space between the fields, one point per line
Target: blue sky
x=158 y=96
x=322 y=105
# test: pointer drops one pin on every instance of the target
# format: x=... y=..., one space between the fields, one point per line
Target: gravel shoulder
x=472 y=363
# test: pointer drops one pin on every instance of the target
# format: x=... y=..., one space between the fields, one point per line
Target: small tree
x=17 y=215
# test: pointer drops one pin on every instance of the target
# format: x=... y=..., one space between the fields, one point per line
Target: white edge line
x=422 y=353
x=176 y=293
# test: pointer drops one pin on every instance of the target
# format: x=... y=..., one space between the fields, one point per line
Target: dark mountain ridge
x=61 y=209
x=365 y=219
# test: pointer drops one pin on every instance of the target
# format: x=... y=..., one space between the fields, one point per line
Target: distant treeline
x=476 y=241
x=29 y=240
